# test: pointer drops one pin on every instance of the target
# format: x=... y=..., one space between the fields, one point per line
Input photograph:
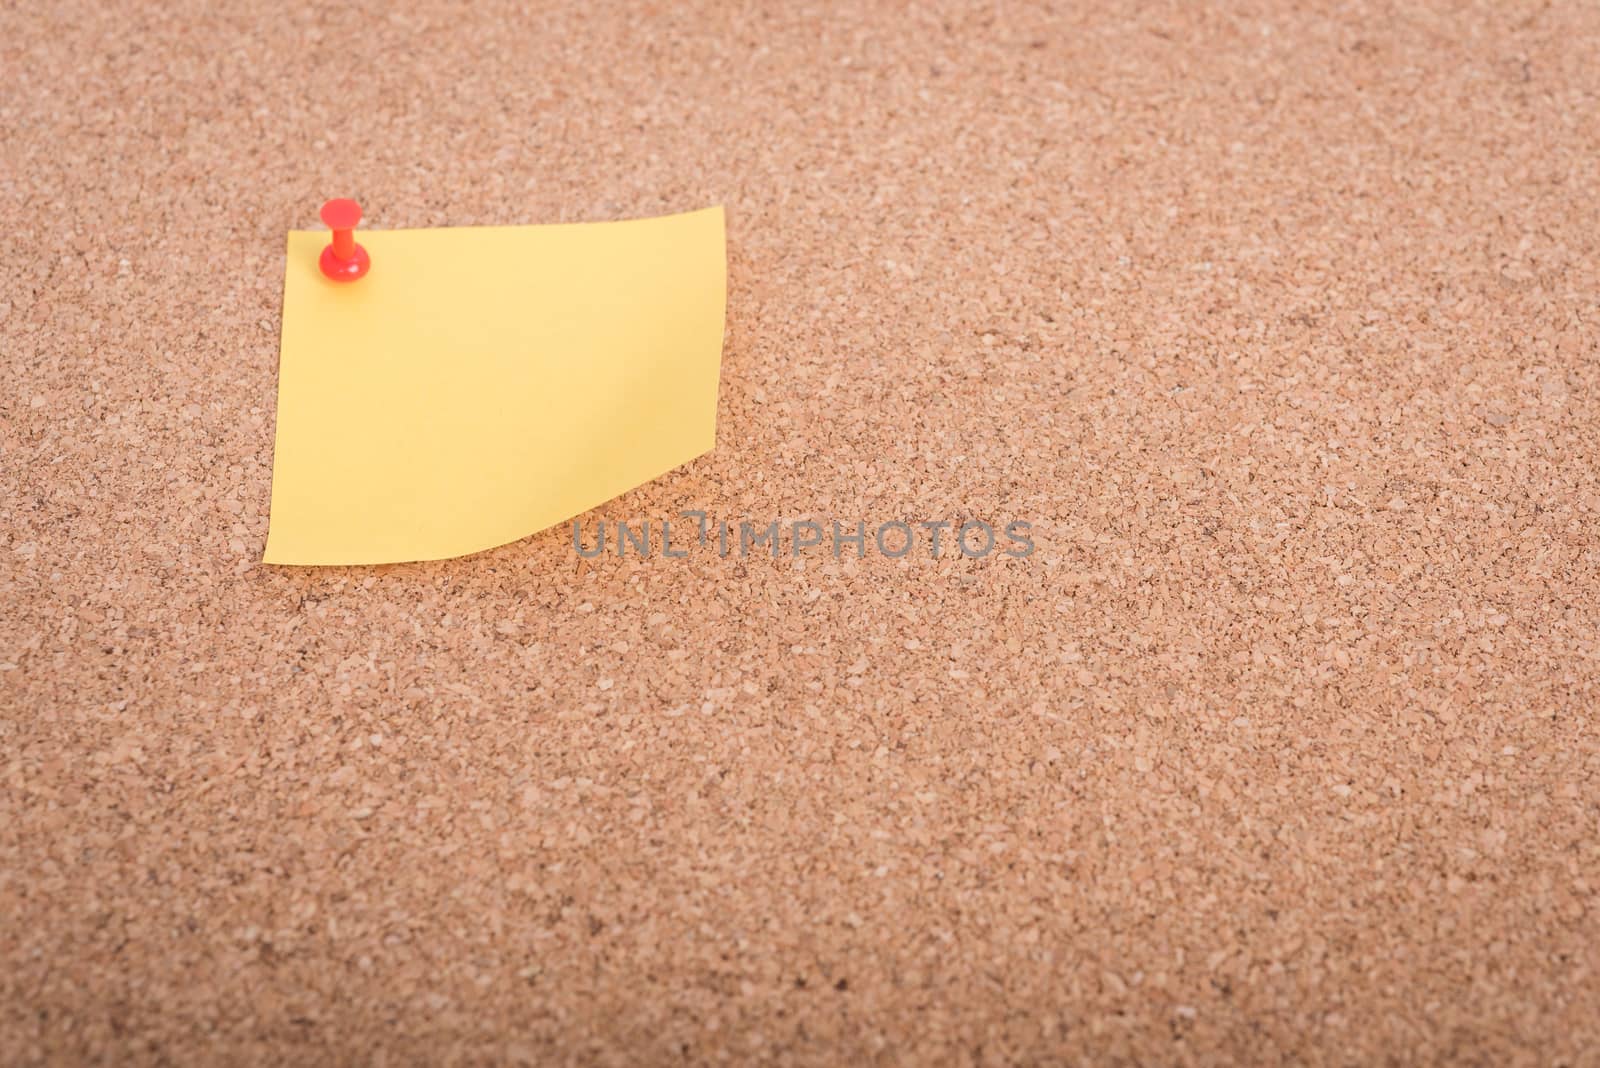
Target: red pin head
x=343 y=260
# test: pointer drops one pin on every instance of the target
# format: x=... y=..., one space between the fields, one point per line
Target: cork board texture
x=1276 y=321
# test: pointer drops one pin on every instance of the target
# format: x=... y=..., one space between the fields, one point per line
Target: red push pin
x=344 y=260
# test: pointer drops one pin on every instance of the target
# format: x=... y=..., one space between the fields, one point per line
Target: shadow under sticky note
x=483 y=383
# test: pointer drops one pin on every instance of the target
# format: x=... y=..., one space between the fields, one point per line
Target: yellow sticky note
x=483 y=383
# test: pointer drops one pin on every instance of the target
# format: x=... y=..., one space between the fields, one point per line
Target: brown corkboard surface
x=1278 y=322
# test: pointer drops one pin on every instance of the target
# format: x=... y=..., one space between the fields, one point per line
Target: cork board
x=1276 y=321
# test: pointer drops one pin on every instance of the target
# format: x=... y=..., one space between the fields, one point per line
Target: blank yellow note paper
x=483 y=383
